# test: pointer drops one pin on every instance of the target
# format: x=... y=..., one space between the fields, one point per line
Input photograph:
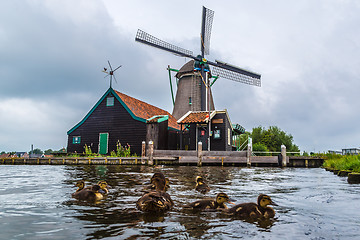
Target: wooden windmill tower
x=193 y=93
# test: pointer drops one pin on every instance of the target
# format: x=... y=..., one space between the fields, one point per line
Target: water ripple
x=36 y=204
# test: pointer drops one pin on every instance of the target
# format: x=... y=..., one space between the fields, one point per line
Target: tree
x=273 y=138
x=48 y=152
x=260 y=147
x=37 y=151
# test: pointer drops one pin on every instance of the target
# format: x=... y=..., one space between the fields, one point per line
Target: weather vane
x=111 y=72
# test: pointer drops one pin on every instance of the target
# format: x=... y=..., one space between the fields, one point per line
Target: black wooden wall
x=220 y=144
x=114 y=120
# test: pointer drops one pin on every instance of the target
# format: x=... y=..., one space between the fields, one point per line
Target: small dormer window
x=190 y=101
x=110 y=101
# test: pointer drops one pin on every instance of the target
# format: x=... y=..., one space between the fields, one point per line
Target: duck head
x=199 y=180
x=159 y=183
x=103 y=186
x=222 y=198
x=158 y=175
x=80 y=184
x=265 y=200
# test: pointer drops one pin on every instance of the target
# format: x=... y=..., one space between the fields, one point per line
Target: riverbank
x=342 y=163
x=348 y=165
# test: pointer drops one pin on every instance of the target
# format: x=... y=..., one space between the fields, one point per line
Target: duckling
x=155 y=201
x=201 y=186
x=90 y=193
x=217 y=203
x=161 y=176
x=81 y=185
x=253 y=210
x=103 y=187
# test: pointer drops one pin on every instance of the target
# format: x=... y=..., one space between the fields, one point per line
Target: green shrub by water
x=121 y=151
x=340 y=162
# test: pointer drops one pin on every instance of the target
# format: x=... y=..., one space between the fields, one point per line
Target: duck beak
x=274 y=204
x=231 y=201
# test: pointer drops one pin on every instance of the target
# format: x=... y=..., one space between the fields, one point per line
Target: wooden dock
x=176 y=157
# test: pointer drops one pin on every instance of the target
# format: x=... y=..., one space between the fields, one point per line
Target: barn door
x=103 y=143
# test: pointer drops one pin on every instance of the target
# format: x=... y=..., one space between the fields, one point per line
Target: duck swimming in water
x=80 y=184
x=217 y=203
x=160 y=175
x=201 y=186
x=103 y=187
x=89 y=194
x=155 y=201
x=253 y=210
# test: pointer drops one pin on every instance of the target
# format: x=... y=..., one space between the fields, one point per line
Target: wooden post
x=199 y=153
x=283 y=155
x=143 y=152
x=151 y=153
x=248 y=155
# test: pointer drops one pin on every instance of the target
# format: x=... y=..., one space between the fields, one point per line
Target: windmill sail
x=234 y=73
x=207 y=20
x=235 y=76
x=148 y=39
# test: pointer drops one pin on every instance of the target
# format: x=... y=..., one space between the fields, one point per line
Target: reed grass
x=340 y=162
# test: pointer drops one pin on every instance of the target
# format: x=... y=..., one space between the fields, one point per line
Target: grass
x=120 y=152
x=340 y=162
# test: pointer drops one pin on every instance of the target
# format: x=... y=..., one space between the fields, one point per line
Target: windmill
x=111 y=72
x=198 y=100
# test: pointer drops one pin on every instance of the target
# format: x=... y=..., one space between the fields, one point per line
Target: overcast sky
x=307 y=51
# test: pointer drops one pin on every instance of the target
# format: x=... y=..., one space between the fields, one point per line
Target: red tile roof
x=4 y=155
x=144 y=110
x=195 y=117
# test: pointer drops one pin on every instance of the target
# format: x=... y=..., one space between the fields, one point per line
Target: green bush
x=340 y=162
x=88 y=152
x=121 y=151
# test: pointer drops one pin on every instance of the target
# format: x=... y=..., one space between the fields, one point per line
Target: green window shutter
x=76 y=140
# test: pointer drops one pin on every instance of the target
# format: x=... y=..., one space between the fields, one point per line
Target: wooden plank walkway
x=74 y=161
x=174 y=158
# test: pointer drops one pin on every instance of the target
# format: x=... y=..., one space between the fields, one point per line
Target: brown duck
x=81 y=185
x=155 y=201
x=201 y=186
x=89 y=194
x=217 y=203
x=103 y=187
x=253 y=210
x=160 y=175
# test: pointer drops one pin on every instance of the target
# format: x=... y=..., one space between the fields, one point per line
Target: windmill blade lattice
x=148 y=39
x=235 y=76
x=207 y=20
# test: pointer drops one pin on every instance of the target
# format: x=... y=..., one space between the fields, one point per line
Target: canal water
x=36 y=203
